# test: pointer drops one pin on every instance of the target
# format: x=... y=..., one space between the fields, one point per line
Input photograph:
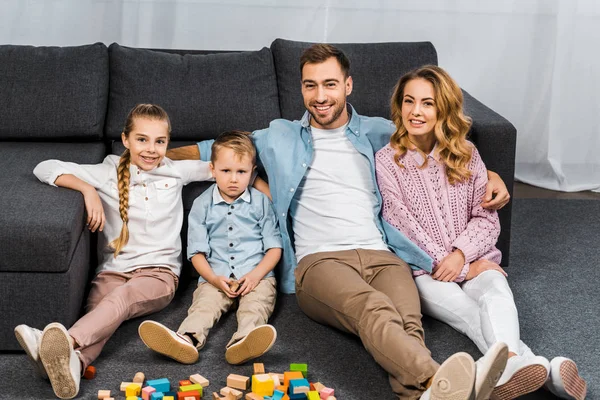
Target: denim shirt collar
x=353 y=124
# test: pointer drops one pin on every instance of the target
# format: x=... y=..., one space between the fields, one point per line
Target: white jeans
x=482 y=308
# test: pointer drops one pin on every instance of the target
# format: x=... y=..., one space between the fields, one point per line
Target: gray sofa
x=70 y=103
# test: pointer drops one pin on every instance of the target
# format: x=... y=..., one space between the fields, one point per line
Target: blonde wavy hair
x=450 y=129
x=147 y=111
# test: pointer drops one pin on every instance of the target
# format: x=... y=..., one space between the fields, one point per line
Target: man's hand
x=449 y=268
x=95 y=211
x=222 y=283
x=479 y=266
x=248 y=282
x=496 y=193
x=190 y=152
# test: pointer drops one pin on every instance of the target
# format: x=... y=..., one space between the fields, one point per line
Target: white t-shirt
x=155 y=209
x=335 y=206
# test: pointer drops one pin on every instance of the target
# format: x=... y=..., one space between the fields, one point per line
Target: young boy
x=234 y=243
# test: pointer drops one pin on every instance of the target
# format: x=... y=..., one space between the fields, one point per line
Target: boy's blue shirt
x=285 y=151
x=234 y=237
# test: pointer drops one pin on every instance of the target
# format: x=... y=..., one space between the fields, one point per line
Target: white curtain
x=536 y=62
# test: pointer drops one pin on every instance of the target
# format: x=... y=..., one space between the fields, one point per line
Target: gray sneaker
x=29 y=338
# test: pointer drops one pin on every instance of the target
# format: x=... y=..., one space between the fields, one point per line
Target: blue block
x=161 y=385
x=277 y=395
x=170 y=394
x=299 y=396
x=156 y=395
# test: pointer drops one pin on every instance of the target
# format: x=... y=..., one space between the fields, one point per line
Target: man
x=322 y=178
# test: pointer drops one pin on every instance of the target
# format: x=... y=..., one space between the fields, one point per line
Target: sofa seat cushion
x=375 y=68
x=40 y=225
x=53 y=93
x=203 y=94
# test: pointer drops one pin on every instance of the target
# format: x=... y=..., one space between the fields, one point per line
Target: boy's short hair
x=238 y=141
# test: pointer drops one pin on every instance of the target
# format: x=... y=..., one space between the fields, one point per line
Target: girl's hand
x=450 y=267
x=95 y=211
x=479 y=266
x=248 y=282
x=222 y=283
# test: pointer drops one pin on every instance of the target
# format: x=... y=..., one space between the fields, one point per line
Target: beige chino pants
x=116 y=297
x=209 y=304
x=372 y=294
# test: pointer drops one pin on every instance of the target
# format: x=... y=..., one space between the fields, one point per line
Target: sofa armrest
x=496 y=139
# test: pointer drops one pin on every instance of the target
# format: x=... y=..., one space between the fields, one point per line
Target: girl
x=139 y=245
x=432 y=181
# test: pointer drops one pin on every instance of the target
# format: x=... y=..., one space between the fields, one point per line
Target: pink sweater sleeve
x=395 y=210
x=483 y=227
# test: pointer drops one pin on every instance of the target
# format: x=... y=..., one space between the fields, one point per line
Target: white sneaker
x=489 y=370
x=162 y=340
x=522 y=375
x=454 y=380
x=60 y=361
x=29 y=338
x=256 y=343
x=564 y=380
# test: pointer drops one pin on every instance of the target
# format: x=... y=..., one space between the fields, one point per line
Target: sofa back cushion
x=204 y=94
x=375 y=68
x=53 y=93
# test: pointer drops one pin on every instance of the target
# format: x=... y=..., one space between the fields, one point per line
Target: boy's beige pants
x=209 y=303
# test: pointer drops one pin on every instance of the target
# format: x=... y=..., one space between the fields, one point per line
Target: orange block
x=90 y=372
x=289 y=375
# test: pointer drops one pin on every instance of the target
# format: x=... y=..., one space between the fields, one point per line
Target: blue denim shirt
x=233 y=236
x=285 y=150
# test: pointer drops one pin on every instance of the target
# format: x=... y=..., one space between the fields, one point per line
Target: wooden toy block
x=169 y=398
x=278 y=395
x=253 y=396
x=283 y=388
x=109 y=398
x=318 y=386
x=313 y=395
x=331 y=398
x=289 y=375
x=262 y=384
x=193 y=393
x=230 y=392
x=190 y=388
x=103 y=394
x=185 y=382
x=133 y=389
x=238 y=381
x=90 y=372
x=298 y=386
x=326 y=393
x=199 y=379
x=124 y=385
x=171 y=393
x=259 y=368
x=157 y=396
x=189 y=398
x=299 y=367
x=234 y=285
x=147 y=392
x=161 y=385
x=276 y=380
x=131 y=398
x=139 y=378
x=216 y=396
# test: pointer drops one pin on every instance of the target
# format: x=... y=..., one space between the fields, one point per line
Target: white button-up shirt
x=155 y=209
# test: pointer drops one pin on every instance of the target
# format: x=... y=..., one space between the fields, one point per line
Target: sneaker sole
x=254 y=345
x=55 y=353
x=156 y=338
x=39 y=367
x=494 y=372
x=455 y=380
x=526 y=380
x=574 y=385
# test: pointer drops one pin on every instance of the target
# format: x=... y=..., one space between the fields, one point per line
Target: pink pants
x=116 y=297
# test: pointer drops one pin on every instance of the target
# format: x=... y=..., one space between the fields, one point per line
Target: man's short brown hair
x=321 y=52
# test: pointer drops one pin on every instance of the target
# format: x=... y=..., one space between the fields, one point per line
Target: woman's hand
x=248 y=282
x=222 y=283
x=95 y=211
x=479 y=266
x=496 y=193
x=450 y=267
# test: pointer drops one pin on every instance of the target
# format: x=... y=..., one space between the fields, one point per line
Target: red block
x=90 y=372
x=192 y=393
x=185 y=382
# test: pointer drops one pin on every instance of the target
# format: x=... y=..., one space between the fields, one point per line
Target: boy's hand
x=479 y=266
x=248 y=282
x=449 y=268
x=222 y=283
x=95 y=211
x=496 y=193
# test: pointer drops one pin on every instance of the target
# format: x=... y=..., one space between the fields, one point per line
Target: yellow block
x=133 y=389
x=263 y=385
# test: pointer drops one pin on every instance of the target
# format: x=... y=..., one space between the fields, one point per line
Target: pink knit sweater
x=435 y=215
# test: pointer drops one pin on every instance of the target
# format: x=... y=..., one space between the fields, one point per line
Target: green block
x=299 y=367
x=190 y=388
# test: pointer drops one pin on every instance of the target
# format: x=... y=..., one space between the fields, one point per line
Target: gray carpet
x=553 y=273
